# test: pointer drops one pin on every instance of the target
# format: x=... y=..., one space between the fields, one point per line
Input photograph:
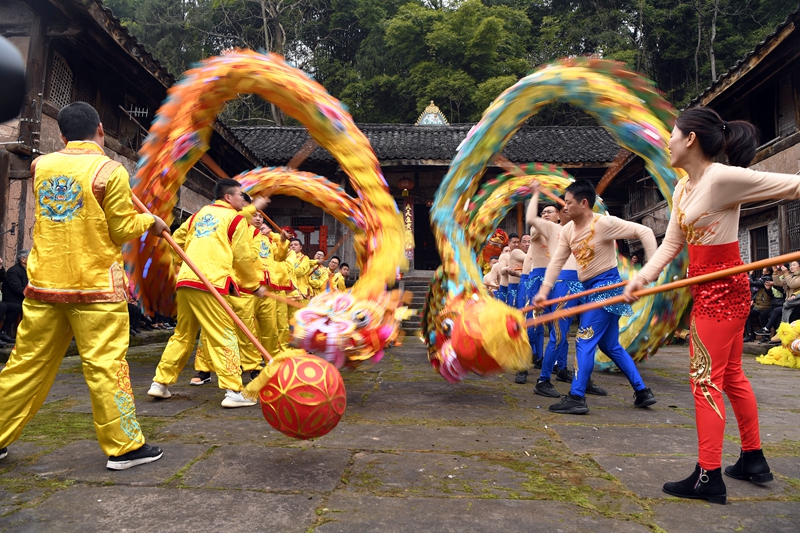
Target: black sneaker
x=749 y=338
x=201 y=378
x=545 y=388
x=254 y=373
x=591 y=388
x=565 y=375
x=570 y=405
x=3 y=452
x=643 y=398
x=145 y=454
x=762 y=331
x=521 y=377
x=537 y=363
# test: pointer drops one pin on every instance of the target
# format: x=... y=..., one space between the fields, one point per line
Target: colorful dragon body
x=636 y=116
x=346 y=328
x=455 y=345
x=180 y=135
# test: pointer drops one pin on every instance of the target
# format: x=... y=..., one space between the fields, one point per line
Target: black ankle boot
x=701 y=485
x=751 y=466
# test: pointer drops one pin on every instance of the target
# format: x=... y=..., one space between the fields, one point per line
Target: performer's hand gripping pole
x=214 y=292
x=681 y=283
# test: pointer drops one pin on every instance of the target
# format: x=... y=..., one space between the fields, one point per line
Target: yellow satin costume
x=218 y=241
x=77 y=286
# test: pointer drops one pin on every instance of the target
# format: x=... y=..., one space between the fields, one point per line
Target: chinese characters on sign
x=408 y=227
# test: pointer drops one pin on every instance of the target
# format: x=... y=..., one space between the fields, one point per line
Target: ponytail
x=738 y=138
x=741 y=141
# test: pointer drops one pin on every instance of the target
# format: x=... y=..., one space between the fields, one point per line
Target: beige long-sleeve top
x=708 y=213
x=550 y=233
x=593 y=246
x=791 y=283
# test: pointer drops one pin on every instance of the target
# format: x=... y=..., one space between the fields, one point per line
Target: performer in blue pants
x=590 y=238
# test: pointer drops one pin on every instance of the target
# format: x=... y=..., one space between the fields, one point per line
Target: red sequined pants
x=718 y=315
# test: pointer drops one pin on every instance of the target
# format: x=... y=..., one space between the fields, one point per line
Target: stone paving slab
x=486 y=399
x=385 y=409
x=260 y=468
x=423 y=438
x=87 y=509
x=84 y=461
x=220 y=432
x=650 y=440
x=646 y=475
x=350 y=513
x=145 y=405
x=737 y=517
x=787 y=466
x=433 y=475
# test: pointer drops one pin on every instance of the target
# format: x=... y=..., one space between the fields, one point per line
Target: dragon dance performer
x=84 y=206
x=219 y=241
x=590 y=238
x=705 y=215
x=300 y=270
x=272 y=248
x=257 y=313
x=548 y=228
x=335 y=277
x=536 y=261
x=502 y=264
x=318 y=278
x=280 y=282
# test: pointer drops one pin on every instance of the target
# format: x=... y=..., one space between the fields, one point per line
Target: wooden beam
x=623 y=158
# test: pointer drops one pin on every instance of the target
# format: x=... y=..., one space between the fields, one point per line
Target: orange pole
x=574 y=296
x=681 y=283
x=213 y=290
x=287 y=301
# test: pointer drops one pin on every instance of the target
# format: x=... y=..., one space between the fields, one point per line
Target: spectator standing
x=13 y=295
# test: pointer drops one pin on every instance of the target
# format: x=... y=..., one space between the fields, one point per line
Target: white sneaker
x=235 y=399
x=157 y=390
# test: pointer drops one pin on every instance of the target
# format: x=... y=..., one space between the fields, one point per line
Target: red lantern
x=305 y=398
x=406 y=184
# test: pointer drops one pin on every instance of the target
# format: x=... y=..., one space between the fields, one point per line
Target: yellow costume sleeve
x=318 y=280
x=124 y=222
x=281 y=251
x=248 y=213
x=180 y=238
x=247 y=274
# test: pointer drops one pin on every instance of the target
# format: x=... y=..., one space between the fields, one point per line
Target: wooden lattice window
x=61 y=79
x=85 y=90
x=793 y=224
x=759 y=244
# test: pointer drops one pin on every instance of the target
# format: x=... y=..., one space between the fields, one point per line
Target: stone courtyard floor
x=412 y=453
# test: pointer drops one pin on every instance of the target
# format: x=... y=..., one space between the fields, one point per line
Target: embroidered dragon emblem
x=60 y=198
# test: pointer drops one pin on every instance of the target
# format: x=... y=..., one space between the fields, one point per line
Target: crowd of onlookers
x=776 y=299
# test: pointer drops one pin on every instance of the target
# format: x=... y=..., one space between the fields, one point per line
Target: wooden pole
x=213 y=290
x=574 y=296
x=681 y=283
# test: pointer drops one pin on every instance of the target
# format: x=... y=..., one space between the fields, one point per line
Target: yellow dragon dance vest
x=73 y=259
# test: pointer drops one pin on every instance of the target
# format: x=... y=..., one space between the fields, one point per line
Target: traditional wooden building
x=414 y=158
x=77 y=50
x=763 y=88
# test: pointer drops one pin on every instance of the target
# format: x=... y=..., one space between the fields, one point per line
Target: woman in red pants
x=705 y=215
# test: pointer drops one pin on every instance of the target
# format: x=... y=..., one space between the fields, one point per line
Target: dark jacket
x=15 y=283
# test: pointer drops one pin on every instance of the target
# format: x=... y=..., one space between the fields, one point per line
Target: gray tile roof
x=397 y=142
